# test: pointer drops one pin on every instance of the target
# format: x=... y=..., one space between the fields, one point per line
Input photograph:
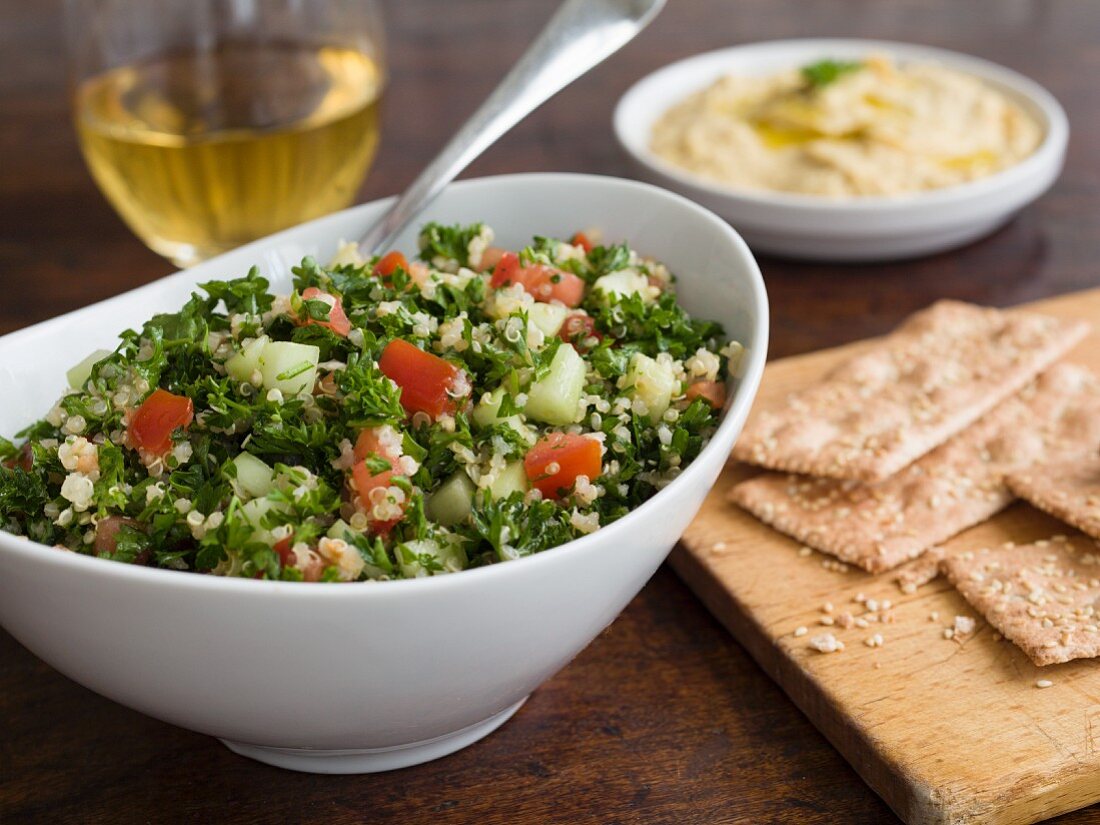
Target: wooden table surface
x=663 y=718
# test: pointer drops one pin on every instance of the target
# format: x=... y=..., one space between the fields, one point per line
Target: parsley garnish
x=823 y=72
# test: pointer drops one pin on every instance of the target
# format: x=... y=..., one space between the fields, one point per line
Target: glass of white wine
x=210 y=123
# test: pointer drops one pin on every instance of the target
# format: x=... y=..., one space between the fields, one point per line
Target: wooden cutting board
x=944 y=732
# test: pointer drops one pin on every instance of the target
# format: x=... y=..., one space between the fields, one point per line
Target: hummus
x=847 y=129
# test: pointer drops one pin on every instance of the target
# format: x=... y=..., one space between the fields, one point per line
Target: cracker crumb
x=963 y=626
x=826 y=643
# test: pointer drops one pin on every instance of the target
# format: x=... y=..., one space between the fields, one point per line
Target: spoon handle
x=581 y=34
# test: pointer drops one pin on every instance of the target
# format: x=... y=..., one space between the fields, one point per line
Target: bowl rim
x=733 y=416
x=1041 y=101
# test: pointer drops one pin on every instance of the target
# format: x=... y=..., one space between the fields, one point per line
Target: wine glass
x=210 y=123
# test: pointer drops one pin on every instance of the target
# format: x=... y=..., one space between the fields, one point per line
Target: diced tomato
x=312 y=567
x=579 y=328
x=490 y=258
x=370 y=445
x=555 y=462
x=337 y=321
x=713 y=392
x=161 y=414
x=506 y=270
x=283 y=549
x=366 y=482
x=106 y=534
x=428 y=383
x=390 y=263
x=24 y=459
x=543 y=283
x=581 y=240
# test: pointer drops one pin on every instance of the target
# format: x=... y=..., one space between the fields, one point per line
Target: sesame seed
x=1044 y=683
x=800 y=631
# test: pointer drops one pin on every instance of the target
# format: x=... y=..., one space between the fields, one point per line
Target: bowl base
x=372 y=760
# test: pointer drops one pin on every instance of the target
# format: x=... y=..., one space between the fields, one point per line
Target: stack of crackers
x=931 y=431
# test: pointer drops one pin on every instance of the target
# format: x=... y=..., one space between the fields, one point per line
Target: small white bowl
x=866 y=228
x=352 y=678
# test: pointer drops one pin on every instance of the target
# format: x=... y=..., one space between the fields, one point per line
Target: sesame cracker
x=1042 y=598
x=1068 y=490
x=931 y=378
x=879 y=526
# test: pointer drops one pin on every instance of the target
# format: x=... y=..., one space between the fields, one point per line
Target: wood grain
x=664 y=718
x=946 y=732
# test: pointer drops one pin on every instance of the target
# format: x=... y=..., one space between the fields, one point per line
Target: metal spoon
x=580 y=35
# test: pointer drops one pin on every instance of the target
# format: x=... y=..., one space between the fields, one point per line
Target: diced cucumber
x=339 y=529
x=254 y=512
x=651 y=382
x=512 y=479
x=255 y=478
x=452 y=502
x=83 y=371
x=243 y=364
x=487 y=413
x=450 y=554
x=289 y=367
x=548 y=318
x=623 y=282
x=555 y=398
x=486 y=409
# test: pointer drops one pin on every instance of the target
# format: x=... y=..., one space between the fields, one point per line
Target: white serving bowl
x=866 y=228
x=369 y=676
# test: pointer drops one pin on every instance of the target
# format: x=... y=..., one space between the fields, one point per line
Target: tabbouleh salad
x=388 y=419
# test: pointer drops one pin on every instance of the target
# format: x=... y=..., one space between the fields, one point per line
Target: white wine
x=201 y=152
